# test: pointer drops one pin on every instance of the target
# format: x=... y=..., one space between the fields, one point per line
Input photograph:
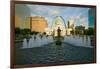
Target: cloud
x=79 y=15
x=40 y=8
x=54 y=12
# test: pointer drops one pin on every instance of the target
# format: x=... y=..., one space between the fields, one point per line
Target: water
x=25 y=45
x=52 y=53
x=38 y=42
x=83 y=41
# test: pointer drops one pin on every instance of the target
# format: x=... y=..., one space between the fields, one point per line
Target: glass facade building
x=91 y=17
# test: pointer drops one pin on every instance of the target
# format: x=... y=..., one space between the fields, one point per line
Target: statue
x=58 y=32
x=58 y=41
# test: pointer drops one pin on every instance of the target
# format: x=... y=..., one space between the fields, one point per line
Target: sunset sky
x=78 y=14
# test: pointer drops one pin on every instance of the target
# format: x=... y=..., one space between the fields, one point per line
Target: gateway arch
x=59 y=23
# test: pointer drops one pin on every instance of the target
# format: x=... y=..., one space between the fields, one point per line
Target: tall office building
x=71 y=24
x=91 y=17
x=22 y=14
x=17 y=22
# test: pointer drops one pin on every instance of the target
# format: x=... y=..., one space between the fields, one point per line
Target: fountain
x=37 y=42
x=83 y=41
x=25 y=43
x=30 y=43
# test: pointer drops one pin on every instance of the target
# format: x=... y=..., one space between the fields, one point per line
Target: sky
x=78 y=14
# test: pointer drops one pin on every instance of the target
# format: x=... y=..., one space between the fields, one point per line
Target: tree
x=17 y=30
x=89 y=31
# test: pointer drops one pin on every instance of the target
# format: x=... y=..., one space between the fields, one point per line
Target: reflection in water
x=59 y=49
